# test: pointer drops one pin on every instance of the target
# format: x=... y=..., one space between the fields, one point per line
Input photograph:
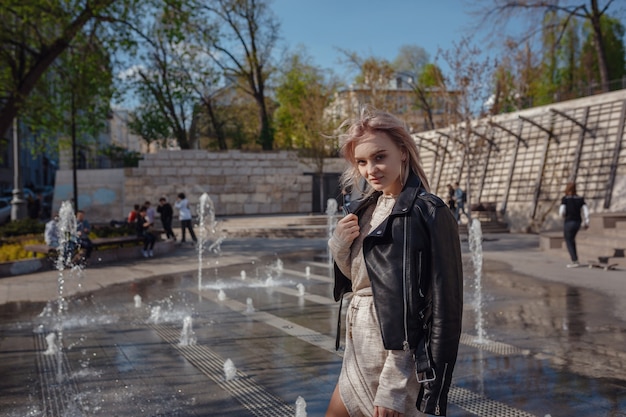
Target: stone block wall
x=100 y=192
x=239 y=183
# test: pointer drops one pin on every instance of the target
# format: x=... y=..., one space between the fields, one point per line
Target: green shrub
x=22 y=227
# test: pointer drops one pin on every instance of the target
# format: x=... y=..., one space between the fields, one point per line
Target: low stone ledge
x=98 y=258
x=551 y=240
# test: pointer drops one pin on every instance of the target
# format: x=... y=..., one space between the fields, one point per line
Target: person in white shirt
x=150 y=212
x=51 y=233
x=184 y=215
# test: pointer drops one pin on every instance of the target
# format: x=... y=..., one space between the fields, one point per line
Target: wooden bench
x=97 y=243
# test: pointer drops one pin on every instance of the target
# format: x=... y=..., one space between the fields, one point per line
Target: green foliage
x=567 y=66
x=303 y=94
x=613 y=39
x=430 y=76
x=150 y=124
x=22 y=227
x=73 y=99
x=117 y=153
x=38 y=73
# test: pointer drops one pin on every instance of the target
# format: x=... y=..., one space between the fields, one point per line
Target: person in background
x=451 y=193
x=150 y=212
x=576 y=213
x=399 y=252
x=82 y=233
x=184 y=215
x=459 y=200
x=143 y=226
x=51 y=232
x=167 y=214
x=132 y=215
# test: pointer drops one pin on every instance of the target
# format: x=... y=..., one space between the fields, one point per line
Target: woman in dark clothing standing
x=572 y=205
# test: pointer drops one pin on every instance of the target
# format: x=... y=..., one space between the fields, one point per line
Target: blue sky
x=370 y=27
x=380 y=27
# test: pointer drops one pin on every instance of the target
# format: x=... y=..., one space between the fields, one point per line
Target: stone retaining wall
x=239 y=183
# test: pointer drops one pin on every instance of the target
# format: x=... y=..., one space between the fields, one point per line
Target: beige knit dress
x=371 y=375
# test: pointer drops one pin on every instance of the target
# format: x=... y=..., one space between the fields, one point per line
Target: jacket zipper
x=405 y=345
x=419 y=274
x=443 y=382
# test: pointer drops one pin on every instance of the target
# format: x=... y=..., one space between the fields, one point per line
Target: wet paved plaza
x=157 y=346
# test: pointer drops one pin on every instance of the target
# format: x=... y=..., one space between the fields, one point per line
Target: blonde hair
x=372 y=121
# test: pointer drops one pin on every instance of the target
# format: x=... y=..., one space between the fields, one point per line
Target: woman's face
x=379 y=161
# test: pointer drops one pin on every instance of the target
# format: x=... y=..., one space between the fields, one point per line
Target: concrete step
x=585 y=254
x=586 y=250
x=617 y=232
x=603 y=241
x=600 y=221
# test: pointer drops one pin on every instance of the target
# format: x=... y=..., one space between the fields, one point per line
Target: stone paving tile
x=553 y=344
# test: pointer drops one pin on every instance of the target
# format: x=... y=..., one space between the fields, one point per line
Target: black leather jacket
x=414 y=264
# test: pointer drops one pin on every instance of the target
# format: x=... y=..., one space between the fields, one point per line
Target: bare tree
x=374 y=75
x=164 y=86
x=411 y=58
x=496 y=13
x=304 y=92
x=243 y=49
x=467 y=89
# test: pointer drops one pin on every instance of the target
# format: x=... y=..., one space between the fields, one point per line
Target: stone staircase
x=604 y=241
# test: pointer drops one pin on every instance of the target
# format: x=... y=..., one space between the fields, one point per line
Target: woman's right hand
x=347 y=229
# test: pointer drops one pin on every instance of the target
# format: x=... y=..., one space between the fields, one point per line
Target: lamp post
x=73 y=128
x=18 y=209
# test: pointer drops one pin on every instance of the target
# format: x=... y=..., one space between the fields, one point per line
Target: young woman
x=398 y=251
x=575 y=212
